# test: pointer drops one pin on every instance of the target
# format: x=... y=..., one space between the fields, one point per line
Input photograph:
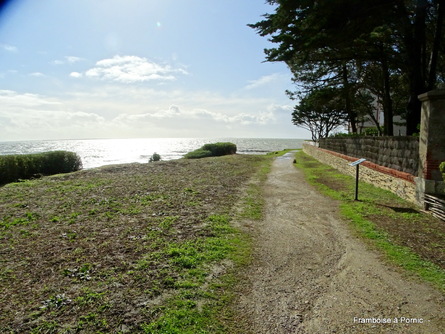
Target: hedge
x=212 y=150
x=442 y=169
x=26 y=166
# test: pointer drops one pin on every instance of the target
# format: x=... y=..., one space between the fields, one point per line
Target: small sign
x=358 y=162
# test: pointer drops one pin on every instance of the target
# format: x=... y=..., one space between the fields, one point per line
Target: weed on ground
x=137 y=248
x=411 y=238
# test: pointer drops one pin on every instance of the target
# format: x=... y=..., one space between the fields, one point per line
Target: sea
x=100 y=152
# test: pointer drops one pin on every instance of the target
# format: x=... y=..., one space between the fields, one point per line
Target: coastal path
x=311 y=275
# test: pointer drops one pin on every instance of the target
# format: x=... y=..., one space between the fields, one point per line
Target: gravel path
x=311 y=275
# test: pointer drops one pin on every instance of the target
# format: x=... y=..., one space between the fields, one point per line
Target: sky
x=77 y=69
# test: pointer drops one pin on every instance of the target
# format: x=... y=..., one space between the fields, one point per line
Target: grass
x=139 y=248
x=192 y=309
x=407 y=237
x=253 y=201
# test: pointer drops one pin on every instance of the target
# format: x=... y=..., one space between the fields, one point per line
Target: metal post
x=356 y=182
x=356 y=164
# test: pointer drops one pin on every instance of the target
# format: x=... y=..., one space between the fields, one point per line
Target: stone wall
x=431 y=144
x=399 y=153
x=400 y=183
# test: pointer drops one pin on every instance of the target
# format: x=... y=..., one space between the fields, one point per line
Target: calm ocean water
x=99 y=152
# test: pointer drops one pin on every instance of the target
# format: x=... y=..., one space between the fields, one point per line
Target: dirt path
x=311 y=275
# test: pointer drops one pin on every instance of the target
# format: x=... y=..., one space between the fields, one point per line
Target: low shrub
x=26 y=166
x=371 y=132
x=442 y=169
x=198 y=154
x=219 y=149
x=344 y=135
x=154 y=157
x=212 y=150
x=374 y=132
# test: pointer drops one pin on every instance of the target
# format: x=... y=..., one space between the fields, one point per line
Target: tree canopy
x=320 y=112
x=390 y=49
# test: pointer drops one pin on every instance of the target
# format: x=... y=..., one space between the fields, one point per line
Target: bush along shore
x=26 y=166
x=135 y=248
x=212 y=150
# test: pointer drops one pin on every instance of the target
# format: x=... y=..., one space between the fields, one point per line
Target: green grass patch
x=409 y=238
x=194 y=308
x=253 y=201
x=197 y=310
x=140 y=248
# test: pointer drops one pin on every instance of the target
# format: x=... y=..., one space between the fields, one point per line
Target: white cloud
x=281 y=108
x=200 y=115
x=9 y=48
x=81 y=118
x=136 y=111
x=172 y=111
x=36 y=116
x=72 y=59
x=11 y=99
x=76 y=75
x=132 y=69
x=37 y=74
x=266 y=80
x=68 y=60
x=241 y=118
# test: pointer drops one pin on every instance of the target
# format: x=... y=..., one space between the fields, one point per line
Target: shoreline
x=96 y=153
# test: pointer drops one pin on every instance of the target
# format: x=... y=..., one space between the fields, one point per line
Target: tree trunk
x=387 y=102
x=415 y=67
x=375 y=121
x=432 y=76
x=347 y=96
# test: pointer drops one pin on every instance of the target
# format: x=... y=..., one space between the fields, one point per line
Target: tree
x=365 y=105
x=417 y=21
x=312 y=36
x=320 y=112
x=323 y=48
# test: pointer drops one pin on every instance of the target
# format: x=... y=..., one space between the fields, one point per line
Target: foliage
x=212 y=150
x=388 y=48
x=320 y=112
x=26 y=166
x=198 y=154
x=154 y=157
x=374 y=132
x=344 y=135
x=371 y=132
x=219 y=149
x=442 y=169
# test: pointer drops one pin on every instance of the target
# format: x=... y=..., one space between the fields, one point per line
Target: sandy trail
x=311 y=275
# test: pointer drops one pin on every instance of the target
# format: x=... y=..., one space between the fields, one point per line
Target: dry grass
x=103 y=250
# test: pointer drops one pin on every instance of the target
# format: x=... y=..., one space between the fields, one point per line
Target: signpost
x=357 y=164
